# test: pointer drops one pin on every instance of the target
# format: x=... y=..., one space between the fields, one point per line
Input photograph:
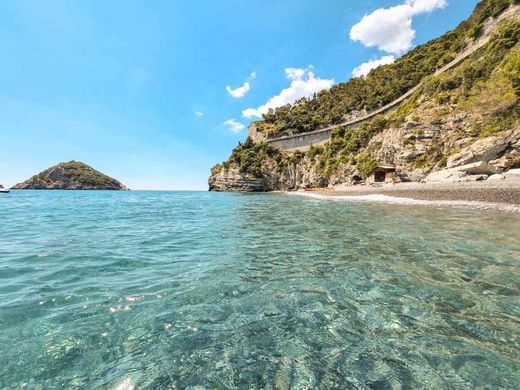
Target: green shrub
x=249 y=157
x=366 y=164
x=314 y=151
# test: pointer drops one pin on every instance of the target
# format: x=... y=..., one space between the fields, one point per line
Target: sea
x=197 y=290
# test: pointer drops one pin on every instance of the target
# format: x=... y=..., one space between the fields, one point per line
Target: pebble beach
x=506 y=191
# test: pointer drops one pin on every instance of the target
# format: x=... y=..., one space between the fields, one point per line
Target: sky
x=154 y=93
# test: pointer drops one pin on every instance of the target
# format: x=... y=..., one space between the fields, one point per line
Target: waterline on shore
x=381 y=198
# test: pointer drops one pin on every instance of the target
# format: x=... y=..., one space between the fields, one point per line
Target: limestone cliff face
x=436 y=151
x=70 y=175
x=273 y=177
x=430 y=137
x=232 y=180
x=424 y=143
x=444 y=142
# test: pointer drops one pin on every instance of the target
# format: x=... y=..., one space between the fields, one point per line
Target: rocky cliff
x=468 y=114
x=72 y=175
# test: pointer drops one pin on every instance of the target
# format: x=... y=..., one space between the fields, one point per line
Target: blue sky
x=138 y=89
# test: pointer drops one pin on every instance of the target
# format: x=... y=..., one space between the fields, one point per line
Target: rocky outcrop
x=489 y=149
x=274 y=177
x=446 y=142
x=234 y=181
x=430 y=149
x=72 y=175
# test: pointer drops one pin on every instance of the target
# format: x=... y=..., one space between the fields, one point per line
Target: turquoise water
x=165 y=290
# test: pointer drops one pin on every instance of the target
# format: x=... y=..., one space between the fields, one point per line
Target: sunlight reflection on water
x=158 y=290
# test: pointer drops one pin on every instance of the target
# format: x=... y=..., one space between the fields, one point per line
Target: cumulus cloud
x=296 y=73
x=239 y=92
x=304 y=83
x=365 y=68
x=390 y=29
x=234 y=126
x=426 y=5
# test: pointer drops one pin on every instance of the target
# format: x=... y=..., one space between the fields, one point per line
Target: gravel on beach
x=495 y=191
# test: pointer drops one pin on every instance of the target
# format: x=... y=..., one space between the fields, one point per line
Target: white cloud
x=420 y=6
x=234 y=126
x=198 y=113
x=239 y=92
x=304 y=83
x=390 y=29
x=365 y=68
x=296 y=73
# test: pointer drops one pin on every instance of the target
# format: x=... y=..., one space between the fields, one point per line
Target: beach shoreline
x=495 y=192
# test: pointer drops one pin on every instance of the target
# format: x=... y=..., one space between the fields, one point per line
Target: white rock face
x=513 y=172
x=477 y=168
x=486 y=149
x=500 y=150
x=446 y=175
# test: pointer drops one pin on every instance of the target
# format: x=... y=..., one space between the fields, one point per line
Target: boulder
x=511 y=158
x=513 y=172
x=486 y=149
x=496 y=177
x=478 y=168
x=446 y=175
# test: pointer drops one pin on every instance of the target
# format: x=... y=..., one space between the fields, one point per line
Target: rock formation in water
x=72 y=175
x=468 y=114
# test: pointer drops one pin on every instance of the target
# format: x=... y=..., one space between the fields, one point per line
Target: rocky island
x=446 y=112
x=72 y=175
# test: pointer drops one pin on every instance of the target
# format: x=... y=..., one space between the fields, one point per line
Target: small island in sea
x=72 y=175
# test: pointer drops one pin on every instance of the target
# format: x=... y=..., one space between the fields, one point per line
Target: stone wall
x=302 y=142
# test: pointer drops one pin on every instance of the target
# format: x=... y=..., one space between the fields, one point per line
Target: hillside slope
x=72 y=175
x=383 y=84
x=468 y=114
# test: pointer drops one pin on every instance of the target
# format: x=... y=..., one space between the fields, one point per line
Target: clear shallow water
x=158 y=290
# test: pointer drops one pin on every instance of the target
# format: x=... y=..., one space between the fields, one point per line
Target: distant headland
x=72 y=175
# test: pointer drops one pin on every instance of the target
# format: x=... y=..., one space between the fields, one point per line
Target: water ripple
x=158 y=290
